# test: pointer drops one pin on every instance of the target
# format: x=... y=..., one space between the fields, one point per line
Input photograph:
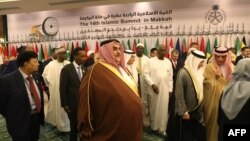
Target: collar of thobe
x=199 y=93
x=118 y=74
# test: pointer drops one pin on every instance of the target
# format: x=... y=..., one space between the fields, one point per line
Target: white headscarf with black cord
x=191 y=65
x=237 y=92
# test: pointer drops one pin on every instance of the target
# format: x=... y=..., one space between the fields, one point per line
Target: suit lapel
x=21 y=84
x=73 y=70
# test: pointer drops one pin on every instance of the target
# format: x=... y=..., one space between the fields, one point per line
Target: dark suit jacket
x=2 y=66
x=238 y=58
x=11 y=66
x=69 y=87
x=14 y=102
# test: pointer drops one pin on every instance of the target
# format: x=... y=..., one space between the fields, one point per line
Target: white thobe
x=133 y=71
x=160 y=73
x=55 y=113
x=140 y=63
x=140 y=67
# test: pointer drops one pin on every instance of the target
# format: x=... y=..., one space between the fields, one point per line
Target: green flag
x=67 y=52
x=138 y=41
x=243 y=42
x=157 y=44
x=129 y=47
x=41 y=55
x=50 y=50
x=237 y=46
x=215 y=42
x=145 y=48
x=83 y=44
x=208 y=49
x=124 y=44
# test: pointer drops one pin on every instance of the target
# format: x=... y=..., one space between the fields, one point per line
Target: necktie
x=34 y=93
x=79 y=73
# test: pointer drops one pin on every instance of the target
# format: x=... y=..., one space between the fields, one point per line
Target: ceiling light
x=8 y=0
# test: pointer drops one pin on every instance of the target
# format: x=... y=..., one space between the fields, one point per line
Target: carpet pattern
x=49 y=133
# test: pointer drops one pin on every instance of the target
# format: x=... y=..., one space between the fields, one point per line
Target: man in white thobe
x=129 y=57
x=140 y=62
x=158 y=74
x=55 y=113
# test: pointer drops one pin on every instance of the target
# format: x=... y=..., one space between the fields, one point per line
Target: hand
x=86 y=133
x=217 y=73
x=155 y=89
x=66 y=109
x=186 y=116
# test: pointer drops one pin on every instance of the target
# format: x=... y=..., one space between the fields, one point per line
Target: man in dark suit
x=171 y=126
x=70 y=79
x=245 y=53
x=21 y=101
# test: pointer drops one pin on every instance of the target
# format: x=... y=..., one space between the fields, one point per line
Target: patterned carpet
x=49 y=133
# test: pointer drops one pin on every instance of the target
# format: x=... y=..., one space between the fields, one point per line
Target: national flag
x=41 y=55
x=13 y=52
x=96 y=46
x=86 y=47
x=36 y=48
x=77 y=44
x=237 y=46
x=197 y=41
x=123 y=43
x=243 y=42
x=202 y=46
x=6 y=54
x=72 y=52
x=9 y=50
x=1 y=55
x=45 y=51
x=83 y=44
x=128 y=42
x=134 y=45
x=167 y=55
x=171 y=46
x=215 y=42
x=184 y=45
x=1 y=50
x=157 y=44
x=49 y=50
x=208 y=49
x=177 y=47
x=190 y=41
x=67 y=52
x=145 y=48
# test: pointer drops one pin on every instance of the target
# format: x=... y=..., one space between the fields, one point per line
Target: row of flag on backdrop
x=44 y=49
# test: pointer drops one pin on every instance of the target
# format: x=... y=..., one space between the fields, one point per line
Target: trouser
x=192 y=130
x=33 y=131
x=73 y=125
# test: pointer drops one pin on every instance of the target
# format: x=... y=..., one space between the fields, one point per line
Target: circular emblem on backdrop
x=215 y=15
x=50 y=26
